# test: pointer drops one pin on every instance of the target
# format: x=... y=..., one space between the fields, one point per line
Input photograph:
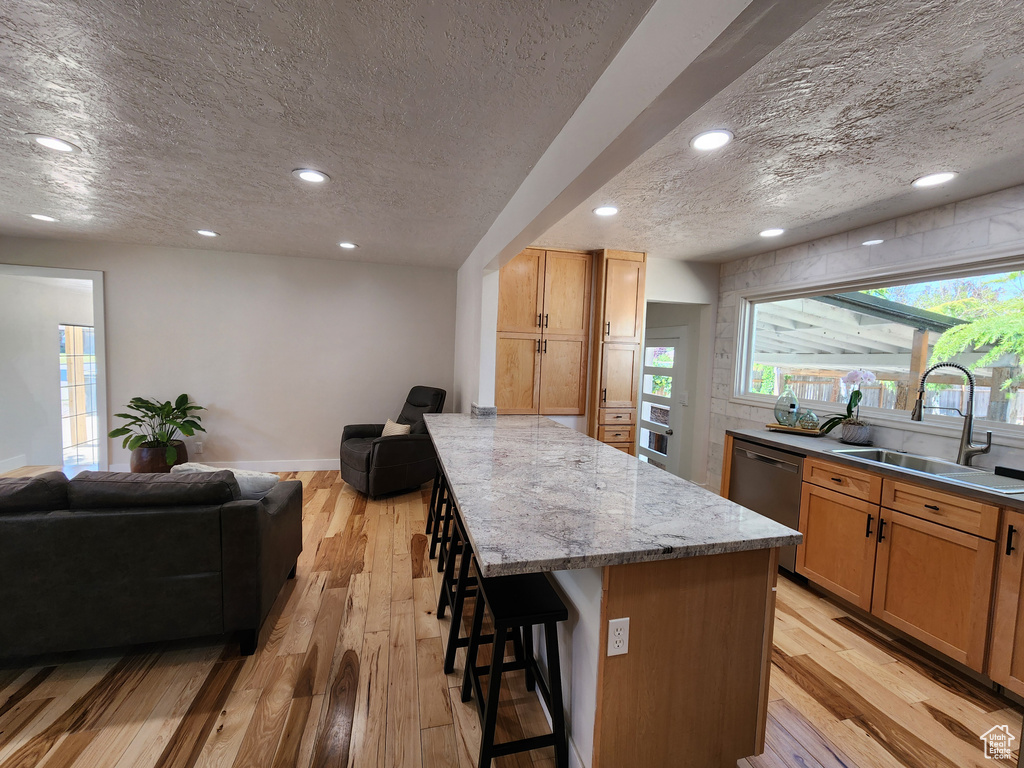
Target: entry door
x=661 y=415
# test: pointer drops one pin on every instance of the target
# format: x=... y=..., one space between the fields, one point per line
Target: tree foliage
x=1001 y=331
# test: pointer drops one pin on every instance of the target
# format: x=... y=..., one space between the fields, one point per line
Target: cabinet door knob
x=867 y=533
x=1009 y=540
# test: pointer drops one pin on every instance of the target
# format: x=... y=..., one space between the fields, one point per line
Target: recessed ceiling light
x=873 y=242
x=51 y=142
x=606 y=210
x=41 y=217
x=775 y=232
x=934 y=179
x=709 y=140
x=348 y=245
x=310 y=175
x=207 y=233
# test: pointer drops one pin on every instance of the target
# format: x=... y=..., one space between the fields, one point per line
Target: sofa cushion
x=392 y=428
x=252 y=484
x=109 y=490
x=42 y=493
x=355 y=452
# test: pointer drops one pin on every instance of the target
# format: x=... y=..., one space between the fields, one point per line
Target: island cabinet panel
x=543 y=297
x=838 y=550
x=522 y=293
x=1006 y=655
x=935 y=584
x=964 y=514
x=693 y=688
x=517 y=384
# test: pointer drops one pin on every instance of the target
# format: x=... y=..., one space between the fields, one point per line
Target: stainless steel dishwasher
x=767 y=481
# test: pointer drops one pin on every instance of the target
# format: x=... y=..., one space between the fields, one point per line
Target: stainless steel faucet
x=968 y=450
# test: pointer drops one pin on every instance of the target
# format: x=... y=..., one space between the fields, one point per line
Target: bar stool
x=439 y=496
x=456 y=585
x=517 y=603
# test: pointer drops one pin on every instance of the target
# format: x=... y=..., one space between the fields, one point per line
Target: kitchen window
x=810 y=344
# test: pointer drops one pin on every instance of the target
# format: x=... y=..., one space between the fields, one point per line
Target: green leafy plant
x=1002 y=332
x=154 y=424
x=852 y=414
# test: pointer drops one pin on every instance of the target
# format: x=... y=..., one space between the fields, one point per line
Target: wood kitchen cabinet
x=838 y=551
x=935 y=584
x=616 y=356
x=543 y=329
x=1006 y=654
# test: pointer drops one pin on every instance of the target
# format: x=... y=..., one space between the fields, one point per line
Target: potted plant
x=151 y=431
x=855 y=431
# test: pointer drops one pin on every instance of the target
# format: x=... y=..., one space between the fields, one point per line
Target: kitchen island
x=693 y=572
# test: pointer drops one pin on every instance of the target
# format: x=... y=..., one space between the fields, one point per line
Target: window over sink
x=896 y=332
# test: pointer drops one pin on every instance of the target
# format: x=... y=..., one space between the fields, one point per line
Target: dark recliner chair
x=377 y=465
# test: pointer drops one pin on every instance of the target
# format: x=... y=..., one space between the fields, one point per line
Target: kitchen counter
x=822 y=447
x=693 y=573
x=539 y=496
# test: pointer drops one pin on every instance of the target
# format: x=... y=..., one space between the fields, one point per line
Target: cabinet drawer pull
x=881 y=529
x=608 y=328
x=545 y=321
x=837 y=480
x=867 y=533
x=538 y=346
x=538 y=320
x=545 y=346
x=1009 y=540
x=931 y=507
x=604 y=395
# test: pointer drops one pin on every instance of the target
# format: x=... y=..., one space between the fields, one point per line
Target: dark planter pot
x=147 y=458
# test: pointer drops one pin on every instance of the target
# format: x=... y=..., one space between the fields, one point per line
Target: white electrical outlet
x=618 y=637
x=199 y=447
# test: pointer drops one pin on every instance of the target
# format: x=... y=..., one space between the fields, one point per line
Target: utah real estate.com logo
x=997 y=743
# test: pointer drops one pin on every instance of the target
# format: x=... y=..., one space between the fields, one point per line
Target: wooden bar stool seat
x=517 y=604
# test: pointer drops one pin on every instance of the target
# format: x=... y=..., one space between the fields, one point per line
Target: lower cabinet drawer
x=625 y=448
x=616 y=416
x=967 y=515
x=615 y=434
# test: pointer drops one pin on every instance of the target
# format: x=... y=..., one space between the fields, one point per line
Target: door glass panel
x=652 y=462
x=657 y=385
x=656 y=413
x=656 y=441
x=659 y=357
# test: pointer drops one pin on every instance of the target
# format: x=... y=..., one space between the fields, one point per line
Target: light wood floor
x=348 y=673
x=30 y=471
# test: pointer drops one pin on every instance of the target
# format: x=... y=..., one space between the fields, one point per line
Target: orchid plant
x=852 y=416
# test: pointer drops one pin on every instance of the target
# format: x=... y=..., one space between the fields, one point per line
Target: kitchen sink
x=927 y=465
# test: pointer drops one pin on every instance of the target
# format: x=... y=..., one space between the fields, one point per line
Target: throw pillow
x=392 y=428
x=252 y=484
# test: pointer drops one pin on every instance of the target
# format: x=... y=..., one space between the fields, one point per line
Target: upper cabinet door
x=522 y=292
x=623 y=300
x=566 y=293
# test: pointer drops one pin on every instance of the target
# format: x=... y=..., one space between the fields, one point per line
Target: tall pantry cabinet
x=543 y=328
x=616 y=351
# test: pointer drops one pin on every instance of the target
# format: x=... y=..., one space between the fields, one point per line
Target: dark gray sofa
x=110 y=559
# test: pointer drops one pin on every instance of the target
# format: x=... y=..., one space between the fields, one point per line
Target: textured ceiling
x=192 y=114
x=830 y=128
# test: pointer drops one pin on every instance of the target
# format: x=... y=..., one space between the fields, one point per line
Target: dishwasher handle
x=787 y=466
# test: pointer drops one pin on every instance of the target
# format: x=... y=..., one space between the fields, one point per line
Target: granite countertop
x=539 y=496
x=822 y=447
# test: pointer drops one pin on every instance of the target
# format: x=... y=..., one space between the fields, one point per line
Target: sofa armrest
x=361 y=430
x=395 y=450
x=260 y=542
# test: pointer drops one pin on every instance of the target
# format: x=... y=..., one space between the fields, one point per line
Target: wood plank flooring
x=348 y=673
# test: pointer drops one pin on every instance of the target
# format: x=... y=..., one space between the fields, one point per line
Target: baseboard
x=13 y=463
x=575 y=761
x=279 y=465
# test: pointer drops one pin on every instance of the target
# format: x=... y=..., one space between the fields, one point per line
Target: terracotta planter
x=856 y=434
x=154 y=458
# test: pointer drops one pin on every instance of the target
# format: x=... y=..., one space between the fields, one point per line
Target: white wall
x=282 y=351
x=984 y=229
x=30 y=415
